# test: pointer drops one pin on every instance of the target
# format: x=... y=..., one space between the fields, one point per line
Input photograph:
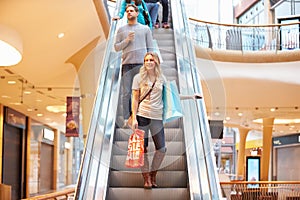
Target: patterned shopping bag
x=135 y=152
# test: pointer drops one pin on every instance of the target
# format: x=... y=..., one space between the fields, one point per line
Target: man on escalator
x=134 y=40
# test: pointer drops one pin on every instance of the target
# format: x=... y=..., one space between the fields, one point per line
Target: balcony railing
x=65 y=194
x=261 y=190
x=216 y=36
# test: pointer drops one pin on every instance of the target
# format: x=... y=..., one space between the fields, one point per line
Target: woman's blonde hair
x=143 y=70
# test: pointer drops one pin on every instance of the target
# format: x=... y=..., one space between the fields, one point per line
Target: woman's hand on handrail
x=191 y=96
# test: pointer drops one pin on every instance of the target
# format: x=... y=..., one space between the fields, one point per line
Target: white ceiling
x=252 y=89
x=45 y=72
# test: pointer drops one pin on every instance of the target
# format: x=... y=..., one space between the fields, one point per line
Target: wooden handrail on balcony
x=58 y=195
x=243 y=25
x=273 y=190
x=246 y=43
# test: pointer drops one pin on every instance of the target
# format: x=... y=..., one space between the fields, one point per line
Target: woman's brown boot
x=147 y=180
x=153 y=179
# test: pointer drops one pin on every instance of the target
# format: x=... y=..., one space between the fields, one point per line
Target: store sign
x=48 y=134
x=286 y=140
x=72 y=118
x=15 y=118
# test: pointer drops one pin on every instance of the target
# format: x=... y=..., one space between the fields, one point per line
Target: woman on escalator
x=147 y=114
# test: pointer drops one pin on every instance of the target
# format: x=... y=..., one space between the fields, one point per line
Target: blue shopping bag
x=172 y=106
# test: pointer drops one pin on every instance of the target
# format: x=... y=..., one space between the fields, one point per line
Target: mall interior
x=61 y=127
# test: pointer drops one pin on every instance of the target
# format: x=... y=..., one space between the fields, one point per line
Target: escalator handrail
x=101 y=126
x=195 y=123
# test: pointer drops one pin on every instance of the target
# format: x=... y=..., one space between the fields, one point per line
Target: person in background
x=141 y=5
x=147 y=115
x=165 y=15
x=134 y=40
x=152 y=6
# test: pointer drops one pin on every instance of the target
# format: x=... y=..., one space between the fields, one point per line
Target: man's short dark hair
x=134 y=6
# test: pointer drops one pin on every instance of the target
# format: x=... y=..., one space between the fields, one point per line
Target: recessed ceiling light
x=29 y=109
x=39 y=114
x=60 y=35
x=5 y=97
x=56 y=108
x=11 y=82
x=240 y=114
x=15 y=103
x=27 y=92
x=227 y=118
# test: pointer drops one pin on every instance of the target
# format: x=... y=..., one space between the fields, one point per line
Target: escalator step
x=165 y=179
x=176 y=163
x=142 y=194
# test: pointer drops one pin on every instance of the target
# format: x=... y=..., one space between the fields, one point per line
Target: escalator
x=172 y=178
x=188 y=170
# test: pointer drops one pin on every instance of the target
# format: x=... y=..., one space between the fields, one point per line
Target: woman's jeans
x=128 y=73
x=158 y=136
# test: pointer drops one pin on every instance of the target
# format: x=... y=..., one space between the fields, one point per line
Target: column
x=267 y=145
x=241 y=154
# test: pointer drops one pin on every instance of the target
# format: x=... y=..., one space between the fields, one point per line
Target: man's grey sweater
x=134 y=51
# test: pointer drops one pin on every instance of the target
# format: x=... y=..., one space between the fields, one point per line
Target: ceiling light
x=15 y=103
x=11 y=82
x=27 y=92
x=11 y=47
x=39 y=114
x=60 y=35
x=217 y=113
x=56 y=109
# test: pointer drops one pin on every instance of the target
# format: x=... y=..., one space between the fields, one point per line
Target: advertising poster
x=72 y=118
x=253 y=170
